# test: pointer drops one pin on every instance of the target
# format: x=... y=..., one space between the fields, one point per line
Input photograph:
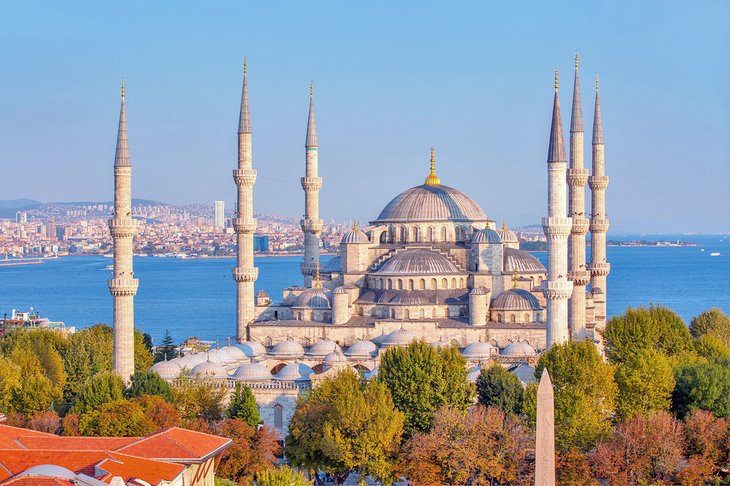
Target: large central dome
x=431 y=203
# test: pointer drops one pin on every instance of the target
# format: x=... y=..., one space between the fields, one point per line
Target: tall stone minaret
x=311 y=183
x=557 y=288
x=123 y=285
x=244 y=273
x=598 y=182
x=577 y=178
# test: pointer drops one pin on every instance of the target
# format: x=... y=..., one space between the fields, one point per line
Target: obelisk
x=545 y=435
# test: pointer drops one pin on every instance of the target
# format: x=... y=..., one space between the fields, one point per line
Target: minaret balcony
x=123 y=286
x=599 y=269
x=557 y=289
x=308 y=268
x=577 y=177
x=245 y=225
x=122 y=228
x=312 y=225
x=580 y=278
x=311 y=184
x=557 y=227
x=598 y=183
x=245 y=274
x=599 y=225
x=244 y=177
x=580 y=226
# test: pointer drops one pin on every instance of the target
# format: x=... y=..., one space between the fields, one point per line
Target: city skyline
x=477 y=91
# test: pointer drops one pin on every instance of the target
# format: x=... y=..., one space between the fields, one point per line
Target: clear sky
x=475 y=79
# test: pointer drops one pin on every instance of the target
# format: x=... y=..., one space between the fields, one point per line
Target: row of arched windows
x=387 y=283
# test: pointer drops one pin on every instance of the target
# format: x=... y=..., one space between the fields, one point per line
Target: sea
x=196 y=297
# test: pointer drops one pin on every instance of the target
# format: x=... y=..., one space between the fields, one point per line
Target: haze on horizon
x=475 y=80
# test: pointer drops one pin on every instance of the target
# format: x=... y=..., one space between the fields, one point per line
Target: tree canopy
x=713 y=322
x=243 y=406
x=703 y=386
x=149 y=383
x=497 y=387
x=102 y=388
x=645 y=382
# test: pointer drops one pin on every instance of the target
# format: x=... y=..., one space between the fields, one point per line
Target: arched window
x=406 y=314
x=443 y=233
x=384 y=237
x=403 y=234
x=453 y=283
x=423 y=284
x=278 y=416
x=512 y=318
x=410 y=284
x=429 y=236
x=461 y=282
x=269 y=342
x=434 y=284
x=392 y=313
x=499 y=317
x=444 y=283
x=527 y=317
x=417 y=231
x=400 y=284
x=423 y=313
x=390 y=284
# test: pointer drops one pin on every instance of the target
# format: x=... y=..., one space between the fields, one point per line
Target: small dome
x=190 y=360
x=314 y=298
x=288 y=349
x=507 y=235
x=486 y=235
x=219 y=355
x=236 y=354
x=209 y=370
x=334 y=359
x=441 y=344
x=418 y=262
x=167 y=370
x=339 y=290
x=362 y=349
x=334 y=264
x=50 y=471
x=251 y=372
x=431 y=203
x=479 y=350
x=294 y=372
x=252 y=349
x=478 y=291
x=401 y=337
x=522 y=261
x=518 y=349
x=516 y=300
x=322 y=348
x=355 y=236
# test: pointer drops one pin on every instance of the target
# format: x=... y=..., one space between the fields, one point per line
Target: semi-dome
x=252 y=349
x=418 y=262
x=316 y=298
x=294 y=372
x=521 y=261
x=401 y=337
x=518 y=349
x=167 y=370
x=287 y=349
x=478 y=291
x=516 y=300
x=478 y=350
x=322 y=348
x=431 y=203
x=355 y=235
x=362 y=349
x=251 y=372
x=209 y=370
x=486 y=235
x=334 y=264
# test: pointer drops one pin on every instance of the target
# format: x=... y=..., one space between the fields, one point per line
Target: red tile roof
x=177 y=445
x=9 y=434
x=38 y=481
x=16 y=461
x=130 y=467
x=75 y=443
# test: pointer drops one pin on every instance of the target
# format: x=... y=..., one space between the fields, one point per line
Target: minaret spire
x=557 y=288
x=311 y=183
x=244 y=119
x=123 y=285
x=311 y=123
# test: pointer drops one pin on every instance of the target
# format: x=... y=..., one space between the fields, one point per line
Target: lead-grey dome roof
x=486 y=235
x=362 y=349
x=355 y=236
x=418 y=262
x=431 y=203
x=517 y=300
x=522 y=261
x=313 y=298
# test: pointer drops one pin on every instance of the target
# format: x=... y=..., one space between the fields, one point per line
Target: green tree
x=120 y=418
x=198 y=399
x=102 y=388
x=243 y=406
x=711 y=347
x=166 y=350
x=344 y=425
x=9 y=380
x=645 y=382
x=149 y=383
x=34 y=394
x=497 y=387
x=713 y=322
x=421 y=380
x=657 y=328
x=703 y=386
x=585 y=393
x=143 y=357
x=281 y=476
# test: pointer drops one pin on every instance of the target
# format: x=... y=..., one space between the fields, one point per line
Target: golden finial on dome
x=317 y=282
x=432 y=179
x=504 y=224
x=122 y=87
x=354 y=226
x=515 y=277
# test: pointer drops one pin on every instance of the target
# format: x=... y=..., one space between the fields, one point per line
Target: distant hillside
x=17 y=203
x=8 y=207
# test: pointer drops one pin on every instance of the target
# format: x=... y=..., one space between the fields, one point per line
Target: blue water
x=197 y=297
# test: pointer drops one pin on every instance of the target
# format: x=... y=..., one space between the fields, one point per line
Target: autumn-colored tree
x=243 y=406
x=645 y=382
x=710 y=347
x=149 y=383
x=706 y=441
x=497 y=387
x=713 y=322
x=102 y=388
x=644 y=449
x=159 y=411
x=47 y=421
x=253 y=451
x=9 y=380
x=281 y=476
x=196 y=399
x=70 y=425
x=120 y=418
x=573 y=467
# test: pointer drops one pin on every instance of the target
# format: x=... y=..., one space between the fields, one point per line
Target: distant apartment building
x=220 y=214
x=261 y=243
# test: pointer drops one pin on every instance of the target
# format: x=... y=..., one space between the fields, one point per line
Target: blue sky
x=391 y=79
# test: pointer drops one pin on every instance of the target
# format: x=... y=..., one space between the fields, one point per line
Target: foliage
x=645 y=382
x=9 y=380
x=344 y=425
x=243 y=406
x=706 y=442
x=48 y=422
x=120 y=418
x=198 y=399
x=149 y=383
x=482 y=446
x=585 y=393
x=166 y=350
x=252 y=452
x=713 y=322
x=70 y=424
x=102 y=388
x=162 y=414
x=657 y=328
x=143 y=357
x=421 y=380
x=281 y=476
x=574 y=467
x=711 y=347
x=703 y=386
x=497 y=387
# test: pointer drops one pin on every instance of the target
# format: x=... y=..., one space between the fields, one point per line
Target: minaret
x=311 y=183
x=123 y=285
x=598 y=182
x=244 y=273
x=557 y=288
x=577 y=179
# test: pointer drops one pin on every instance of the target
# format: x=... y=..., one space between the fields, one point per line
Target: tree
x=645 y=449
x=657 y=328
x=120 y=418
x=198 y=399
x=645 y=382
x=574 y=467
x=706 y=440
x=143 y=357
x=497 y=387
x=166 y=350
x=713 y=322
x=585 y=394
x=421 y=380
x=162 y=414
x=9 y=380
x=703 y=386
x=243 y=406
x=48 y=422
x=711 y=347
x=344 y=425
x=149 y=383
x=100 y=389
x=281 y=476
x=252 y=452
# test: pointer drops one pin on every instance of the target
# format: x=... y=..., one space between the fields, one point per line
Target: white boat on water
x=715 y=253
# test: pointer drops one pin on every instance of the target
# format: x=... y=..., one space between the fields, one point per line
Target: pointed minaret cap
x=432 y=179
x=597 y=119
x=556 y=149
x=576 y=118
x=311 y=124
x=244 y=119
x=121 y=158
